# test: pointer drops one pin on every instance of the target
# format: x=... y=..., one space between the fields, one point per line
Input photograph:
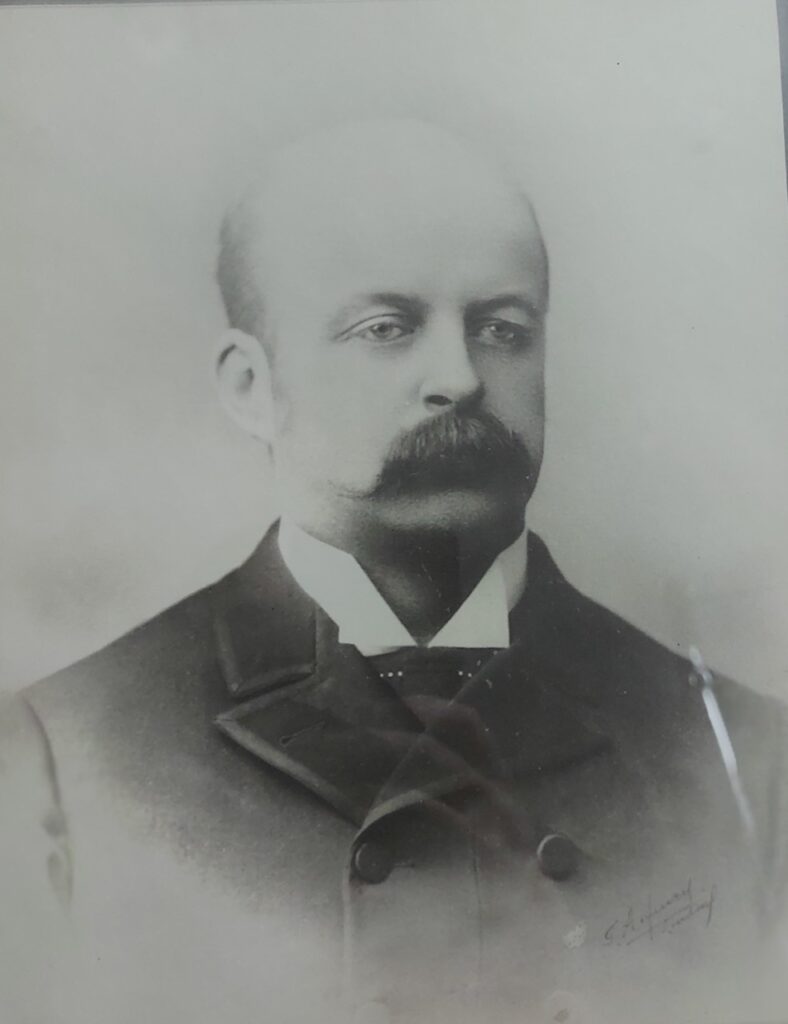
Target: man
x=394 y=768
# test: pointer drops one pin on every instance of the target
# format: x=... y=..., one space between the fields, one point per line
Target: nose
x=450 y=377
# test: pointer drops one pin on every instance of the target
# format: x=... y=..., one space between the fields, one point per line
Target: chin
x=457 y=512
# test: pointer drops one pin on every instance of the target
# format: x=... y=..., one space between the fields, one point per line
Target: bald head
x=391 y=183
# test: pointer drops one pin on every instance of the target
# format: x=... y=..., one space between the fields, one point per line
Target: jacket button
x=558 y=856
x=372 y=862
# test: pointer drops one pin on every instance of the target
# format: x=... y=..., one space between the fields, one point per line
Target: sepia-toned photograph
x=394 y=592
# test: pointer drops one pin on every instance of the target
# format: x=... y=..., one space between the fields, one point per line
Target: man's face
x=404 y=315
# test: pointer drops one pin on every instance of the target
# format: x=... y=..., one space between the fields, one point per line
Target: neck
x=425 y=584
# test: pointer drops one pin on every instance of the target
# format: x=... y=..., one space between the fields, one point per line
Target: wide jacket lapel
x=303 y=703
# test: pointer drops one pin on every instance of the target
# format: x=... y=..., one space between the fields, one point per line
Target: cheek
x=330 y=428
x=516 y=394
x=335 y=392
x=326 y=416
x=301 y=391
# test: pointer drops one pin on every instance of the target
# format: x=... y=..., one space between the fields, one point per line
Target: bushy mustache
x=452 y=450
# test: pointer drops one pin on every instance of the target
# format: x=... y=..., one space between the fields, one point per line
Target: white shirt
x=335 y=581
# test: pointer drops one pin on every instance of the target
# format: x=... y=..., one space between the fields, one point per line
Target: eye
x=380 y=329
x=502 y=333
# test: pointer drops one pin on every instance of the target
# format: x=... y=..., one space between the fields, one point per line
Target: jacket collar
x=264 y=624
x=315 y=709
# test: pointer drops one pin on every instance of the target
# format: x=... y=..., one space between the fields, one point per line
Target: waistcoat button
x=372 y=862
x=558 y=856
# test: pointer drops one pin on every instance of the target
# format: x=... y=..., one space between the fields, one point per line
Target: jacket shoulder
x=603 y=658
x=168 y=648
x=615 y=665
x=665 y=686
x=169 y=653
x=114 y=713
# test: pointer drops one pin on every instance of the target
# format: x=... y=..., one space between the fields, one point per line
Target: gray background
x=650 y=137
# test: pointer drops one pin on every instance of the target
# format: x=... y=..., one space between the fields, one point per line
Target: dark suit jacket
x=226 y=813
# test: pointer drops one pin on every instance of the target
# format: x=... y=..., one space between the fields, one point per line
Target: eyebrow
x=408 y=303
x=513 y=300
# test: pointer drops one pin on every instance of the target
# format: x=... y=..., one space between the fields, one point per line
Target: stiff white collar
x=335 y=581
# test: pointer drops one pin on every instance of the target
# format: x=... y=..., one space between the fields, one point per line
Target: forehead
x=389 y=213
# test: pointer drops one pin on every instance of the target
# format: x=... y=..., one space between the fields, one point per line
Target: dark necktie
x=427 y=680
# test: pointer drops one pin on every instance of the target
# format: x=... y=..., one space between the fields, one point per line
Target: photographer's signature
x=651 y=918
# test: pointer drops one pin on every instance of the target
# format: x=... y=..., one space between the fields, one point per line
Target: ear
x=244 y=378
